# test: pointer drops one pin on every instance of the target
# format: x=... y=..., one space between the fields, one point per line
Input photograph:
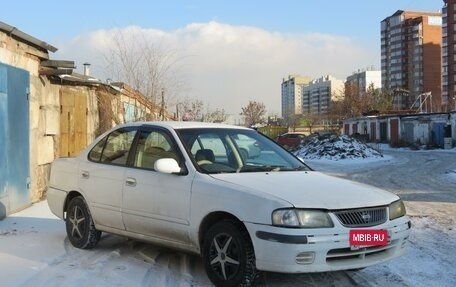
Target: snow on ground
x=452 y=173
x=34 y=250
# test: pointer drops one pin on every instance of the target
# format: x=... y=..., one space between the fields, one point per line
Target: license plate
x=368 y=237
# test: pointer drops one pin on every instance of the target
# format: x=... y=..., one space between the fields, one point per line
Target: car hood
x=311 y=189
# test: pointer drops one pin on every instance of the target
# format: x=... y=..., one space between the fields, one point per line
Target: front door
x=154 y=203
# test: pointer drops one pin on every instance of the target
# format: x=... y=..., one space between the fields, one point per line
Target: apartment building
x=361 y=80
x=411 y=58
x=317 y=95
x=292 y=95
x=449 y=55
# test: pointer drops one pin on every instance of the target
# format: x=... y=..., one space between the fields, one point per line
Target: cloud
x=226 y=65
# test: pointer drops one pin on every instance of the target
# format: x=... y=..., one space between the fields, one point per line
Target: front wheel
x=79 y=225
x=228 y=256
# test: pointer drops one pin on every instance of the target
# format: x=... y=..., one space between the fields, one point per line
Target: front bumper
x=290 y=250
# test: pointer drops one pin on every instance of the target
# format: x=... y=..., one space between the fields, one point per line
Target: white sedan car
x=161 y=182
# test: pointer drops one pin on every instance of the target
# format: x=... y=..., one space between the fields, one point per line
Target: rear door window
x=114 y=148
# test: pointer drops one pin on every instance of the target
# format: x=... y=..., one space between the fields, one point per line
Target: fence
x=273 y=131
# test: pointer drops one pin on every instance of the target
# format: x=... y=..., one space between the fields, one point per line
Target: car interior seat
x=204 y=155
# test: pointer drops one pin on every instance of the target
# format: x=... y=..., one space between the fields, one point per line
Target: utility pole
x=162 y=107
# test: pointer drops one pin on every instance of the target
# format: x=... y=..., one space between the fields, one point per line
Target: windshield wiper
x=259 y=168
x=285 y=168
x=302 y=167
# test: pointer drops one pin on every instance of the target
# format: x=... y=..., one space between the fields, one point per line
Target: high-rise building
x=361 y=81
x=292 y=95
x=449 y=55
x=411 y=49
x=317 y=95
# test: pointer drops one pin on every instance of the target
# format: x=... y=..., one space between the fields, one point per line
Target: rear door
x=102 y=176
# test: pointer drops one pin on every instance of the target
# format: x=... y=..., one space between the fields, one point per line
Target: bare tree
x=253 y=113
x=355 y=104
x=144 y=65
x=309 y=121
x=215 y=116
x=293 y=120
x=192 y=110
x=382 y=101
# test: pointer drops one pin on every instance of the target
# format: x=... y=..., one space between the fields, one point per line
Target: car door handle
x=85 y=174
x=130 y=181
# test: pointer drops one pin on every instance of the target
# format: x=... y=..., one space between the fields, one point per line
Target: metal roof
x=10 y=30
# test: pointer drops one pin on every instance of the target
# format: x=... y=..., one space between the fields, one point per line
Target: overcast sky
x=230 y=51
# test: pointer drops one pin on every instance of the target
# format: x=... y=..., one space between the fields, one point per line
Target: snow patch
x=335 y=147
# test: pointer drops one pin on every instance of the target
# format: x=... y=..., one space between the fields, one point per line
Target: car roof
x=182 y=125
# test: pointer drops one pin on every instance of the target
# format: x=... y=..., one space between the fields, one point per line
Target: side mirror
x=167 y=165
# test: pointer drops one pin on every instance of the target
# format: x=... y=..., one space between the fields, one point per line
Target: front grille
x=362 y=217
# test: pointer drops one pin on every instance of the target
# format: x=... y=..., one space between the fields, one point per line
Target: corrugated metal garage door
x=347 y=129
x=373 y=135
x=14 y=139
x=383 y=131
x=354 y=128
x=394 y=129
x=408 y=132
x=437 y=135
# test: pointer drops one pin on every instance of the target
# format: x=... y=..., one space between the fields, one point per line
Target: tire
x=228 y=255
x=79 y=225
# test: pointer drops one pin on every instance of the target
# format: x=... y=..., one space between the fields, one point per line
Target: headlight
x=301 y=218
x=396 y=209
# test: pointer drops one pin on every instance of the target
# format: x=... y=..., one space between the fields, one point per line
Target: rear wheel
x=79 y=225
x=228 y=255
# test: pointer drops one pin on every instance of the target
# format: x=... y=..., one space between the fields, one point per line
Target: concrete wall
x=92 y=115
x=453 y=125
x=44 y=128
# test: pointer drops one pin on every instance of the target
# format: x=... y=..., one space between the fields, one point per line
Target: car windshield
x=225 y=150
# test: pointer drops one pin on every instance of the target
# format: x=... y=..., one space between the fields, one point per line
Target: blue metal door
x=437 y=135
x=3 y=157
x=14 y=139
